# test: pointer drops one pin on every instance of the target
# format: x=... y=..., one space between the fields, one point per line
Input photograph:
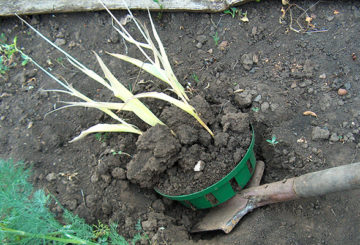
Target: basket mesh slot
x=212 y=199
x=235 y=185
x=249 y=165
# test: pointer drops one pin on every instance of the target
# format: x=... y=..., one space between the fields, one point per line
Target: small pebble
x=50 y=177
x=200 y=165
x=60 y=41
x=118 y=173
x=330 y=18
x=340 y=102
x=334 y=137
x=342 y=91
x=322 y=76
x=257 y=98
x=265 y=106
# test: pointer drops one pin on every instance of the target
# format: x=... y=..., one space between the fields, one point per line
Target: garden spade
x=227 y=215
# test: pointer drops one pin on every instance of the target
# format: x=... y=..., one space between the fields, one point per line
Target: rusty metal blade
x=227 y=215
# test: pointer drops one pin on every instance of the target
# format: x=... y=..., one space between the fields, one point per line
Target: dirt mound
x=166 y=159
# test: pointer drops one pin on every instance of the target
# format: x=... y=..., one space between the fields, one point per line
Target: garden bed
x=261 y=69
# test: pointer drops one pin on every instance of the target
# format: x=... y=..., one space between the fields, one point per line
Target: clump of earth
x=167 y=156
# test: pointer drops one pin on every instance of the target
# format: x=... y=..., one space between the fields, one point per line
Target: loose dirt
x=263 y=70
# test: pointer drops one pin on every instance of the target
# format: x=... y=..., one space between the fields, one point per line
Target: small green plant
x=273 y=141
x=141 y=235
x=231 y=11
x=255 y=109
x=195 y=77
x=120 y=153
x=7 y=52
x=3 y=38
x=216 y=38
x=101 y=232
x=161 y=6
x=60 y=61
x=101 y=137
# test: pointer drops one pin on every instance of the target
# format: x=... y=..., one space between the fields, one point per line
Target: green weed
x=101 y=232
x=141 y=235
x=60 y=61
x=160 y=13
x=7 y=52
x=120 y=153
x=273 y=141
x=101 y=137
x=231 y=11
x=216 y=38
x=196 y=78
x=255 y=109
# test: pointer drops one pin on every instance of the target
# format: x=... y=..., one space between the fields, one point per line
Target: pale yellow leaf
x=309 y=113
x=101 y=128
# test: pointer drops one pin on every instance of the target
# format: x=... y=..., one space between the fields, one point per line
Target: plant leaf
x=178 y=88
x=100 y=128
x=124 y=94
x=152 y=69
x=179 y=103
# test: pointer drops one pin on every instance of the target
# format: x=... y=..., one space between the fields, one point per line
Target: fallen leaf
x=126 y=19
x=302 y=140
x=309 y=113
x=245 y=19
x=5 y=95
x=283 y=11
x=308 y=19
x=239 y=90
x=336 y=12
x=223 y=45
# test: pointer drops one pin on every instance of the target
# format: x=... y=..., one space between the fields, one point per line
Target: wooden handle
x=346 y=177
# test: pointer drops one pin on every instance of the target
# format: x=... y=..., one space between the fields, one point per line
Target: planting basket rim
x=189 y=200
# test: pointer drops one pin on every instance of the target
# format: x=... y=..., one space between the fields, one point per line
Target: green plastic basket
x=222 y=190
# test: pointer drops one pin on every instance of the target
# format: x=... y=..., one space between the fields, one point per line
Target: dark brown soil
x=263 y=70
